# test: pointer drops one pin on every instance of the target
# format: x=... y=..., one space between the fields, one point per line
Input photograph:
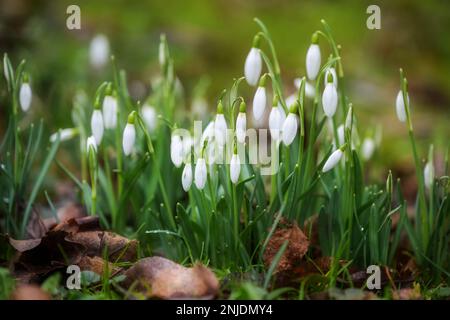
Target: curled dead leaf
x=162 y=278
x=97 y=265
x=297 y=246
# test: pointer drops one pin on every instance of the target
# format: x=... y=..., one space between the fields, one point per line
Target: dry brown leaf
x=162 y=278
x=97 y=265
x=407 y=294
x=29 y=292
x=297 y=246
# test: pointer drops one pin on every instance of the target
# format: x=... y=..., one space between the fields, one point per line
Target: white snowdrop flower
x=64 y=134
x=241 y=123
x=290 y=100
x=260 y=100
x=91 y=144
x=290 y=126
x=129 y=135
x=220 y=126
x=97 y=125
x=25 y=96
x=186 y=177
x=208 y=133
x=188 y=142
x=428 y=174
x=176 y=150
x=349 y=118
x=253 y=64
x=400 y=106
x=235 y=168
x=200 y=173
x=329 y=98
x=99 y=51
x=333 y=160
x=276 y=120
x=333 y=73
x=110 y=112
x=149 y=116
x=310 y=90
x=368 y=148
x=313 y=58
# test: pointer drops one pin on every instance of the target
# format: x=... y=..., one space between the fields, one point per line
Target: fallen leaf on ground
x=97 y=265
x=297 y=246
x=29 y=292
x=162 y=278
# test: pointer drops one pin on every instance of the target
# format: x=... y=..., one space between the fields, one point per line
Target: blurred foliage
x=210 y=39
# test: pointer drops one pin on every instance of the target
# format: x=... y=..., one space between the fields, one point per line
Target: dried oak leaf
x=296 y=248
x=162 y=278
x=97 y=265
x=29 y=292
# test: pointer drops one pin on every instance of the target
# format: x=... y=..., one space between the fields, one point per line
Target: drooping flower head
x=99 y=51
x=260 y=99
x=276 y=119
x=149 y=116
x=241 y=123
x=313 y=58
x=290 y=125
x=129 y=134
x=220 y=126
x=333 y=159
x=253 y=63
x=97 y=123
x=25 y=94
x=329 y=97
x=110 y=108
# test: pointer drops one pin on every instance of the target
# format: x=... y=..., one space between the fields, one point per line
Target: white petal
x=188 y=142
x=241 y=127
x=208 y=133
x=97 y=126
x=276 y=120
x=332 y=160
x=367 y=148
x=90 y=143
x=341 y=134
x=329 y=100
x=220 y=129
x=259 y=103
x=25 y=96
x=428 y=173
x=99 y=51
x=289 y=129
x=129 y=137
x=400 y=106
x=310 y=91
x=235 y=168
x=186 y=177
x=291 y=99
x=110 y=112
x=176 y=150
x=65 y=134
x=200 y=174
x=253 y=65
x=313 y=61
x=149 y=117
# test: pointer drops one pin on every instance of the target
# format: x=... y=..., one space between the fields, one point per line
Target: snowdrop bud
x=220 y=126
x=241 y=123
x=333 y=73
x=276 y=120
x=91 y=144
x=333 y=160
x=5 y=67
x=97 y=125
x=235 y=168
x=186 y=177
x=367 y=148
x=341 y=134
x=110 y=111
x=313 y=58
x=200 y=173
x=253 y=63
x=428 y=174
x=400 y=106
x=260 y=100
x=349 y=119
x=129 y=134
x=162 y=51
x=389 y=183
x=99 y=51
x=290 y=126
x=176 y=150
x=25 y=95
x=329 y=98
x=149 y=117
x=64 y=134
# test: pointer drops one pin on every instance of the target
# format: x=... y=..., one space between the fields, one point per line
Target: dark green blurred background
x=211 y=38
